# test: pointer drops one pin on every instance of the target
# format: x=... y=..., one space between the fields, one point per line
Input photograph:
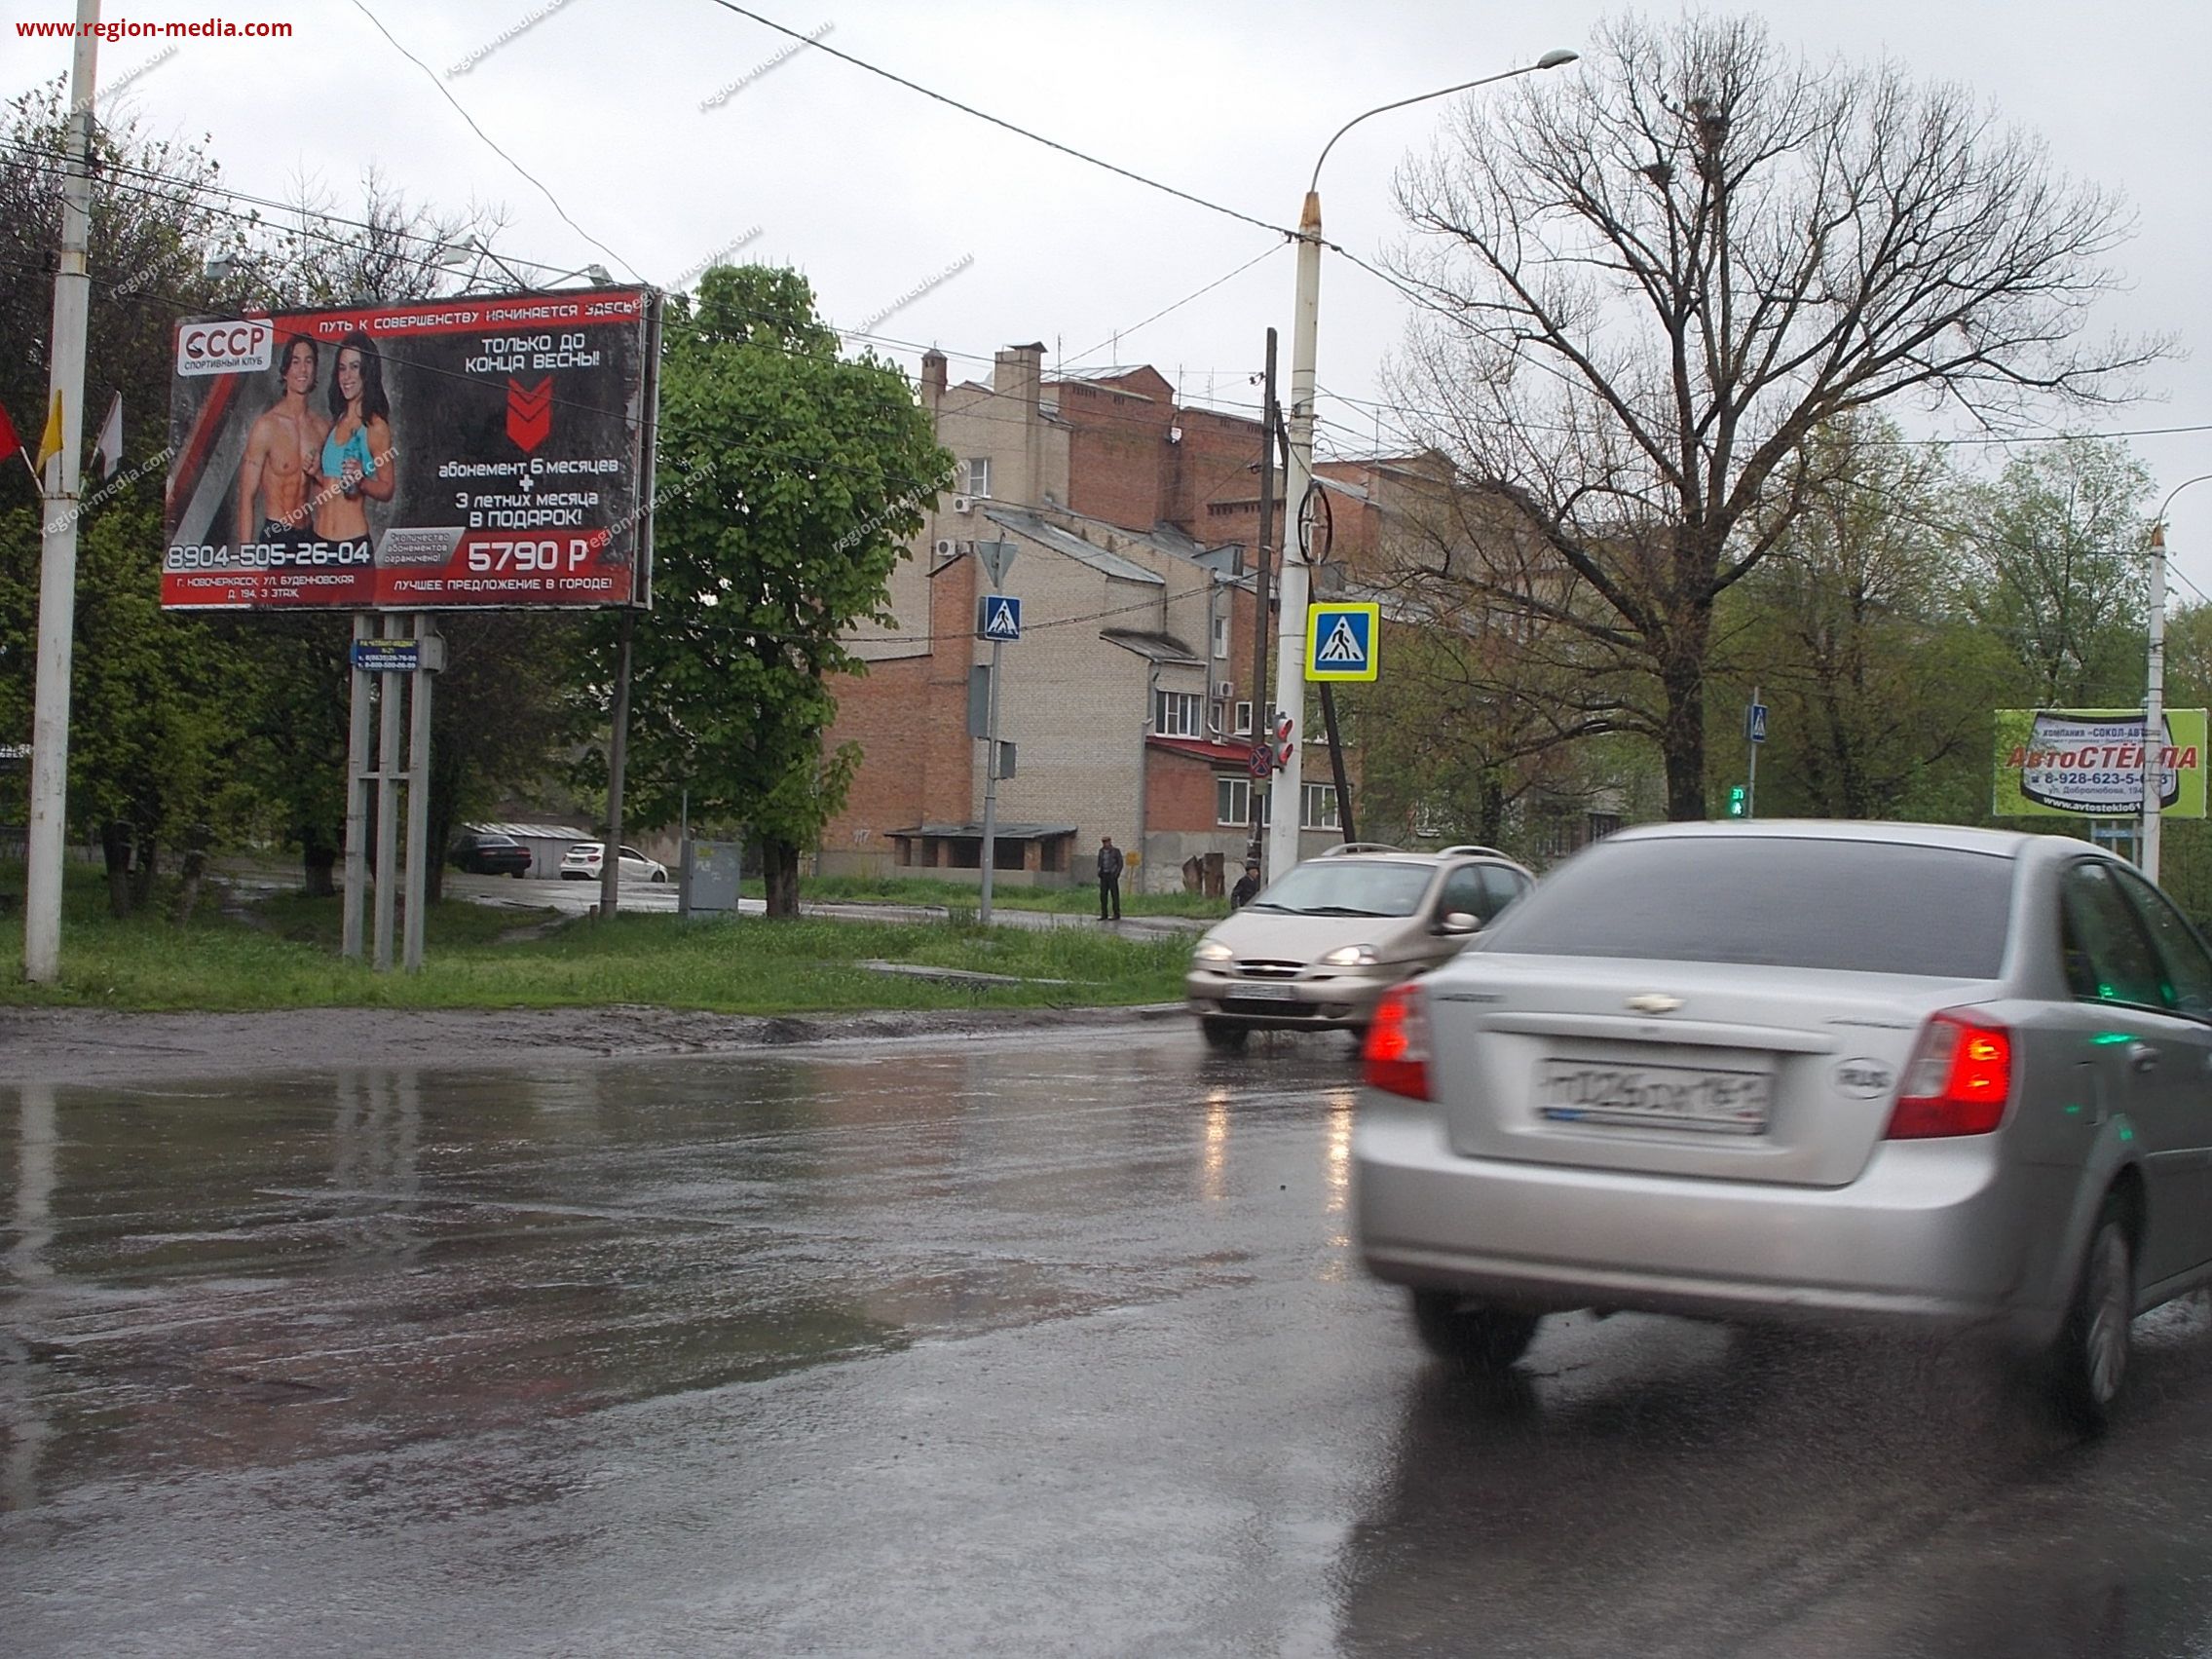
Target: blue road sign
x=1756 y=722
x=1001 y=616
x=1340 y=642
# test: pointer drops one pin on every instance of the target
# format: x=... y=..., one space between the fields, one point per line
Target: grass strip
x=280 y=951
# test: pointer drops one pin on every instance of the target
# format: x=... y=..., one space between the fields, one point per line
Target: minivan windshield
x=1862 y=906
x=1346 y=887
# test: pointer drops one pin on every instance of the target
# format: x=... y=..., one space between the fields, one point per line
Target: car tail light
x=1397 y=1052
x=1957 y=1082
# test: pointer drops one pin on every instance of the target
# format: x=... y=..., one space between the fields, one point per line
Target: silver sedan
x=1951 y=1077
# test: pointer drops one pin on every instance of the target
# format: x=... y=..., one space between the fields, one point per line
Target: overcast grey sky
x=876 y=192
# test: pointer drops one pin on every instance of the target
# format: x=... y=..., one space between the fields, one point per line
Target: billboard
x=2087 y=762
x=433 y=455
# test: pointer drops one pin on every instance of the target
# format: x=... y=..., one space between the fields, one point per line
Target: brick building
x=1128 y=699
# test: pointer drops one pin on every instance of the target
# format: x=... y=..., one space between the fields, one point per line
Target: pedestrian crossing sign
x=1341 y=641
x=1001 y=616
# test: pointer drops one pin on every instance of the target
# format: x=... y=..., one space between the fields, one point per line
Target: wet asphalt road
x=1050 y=1344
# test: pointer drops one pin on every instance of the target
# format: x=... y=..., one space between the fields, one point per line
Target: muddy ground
x=91 y=1045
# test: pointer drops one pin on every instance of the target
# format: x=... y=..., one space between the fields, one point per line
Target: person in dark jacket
x=1109 y=878
x=1248 y=885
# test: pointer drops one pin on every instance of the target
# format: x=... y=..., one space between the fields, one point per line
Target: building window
x=1220 y=636
x=1178 y=714
x=1243 y=727
x=1603 y=824
x=1316 y=806
x=1232 y=799
x=979 y=477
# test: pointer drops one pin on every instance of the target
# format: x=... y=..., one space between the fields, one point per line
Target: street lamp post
x=1287 y=789
x=2154 y=690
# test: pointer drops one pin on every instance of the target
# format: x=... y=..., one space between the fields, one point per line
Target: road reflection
x=1669 y=1488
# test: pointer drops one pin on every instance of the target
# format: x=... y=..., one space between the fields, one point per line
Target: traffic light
x=1737 y=800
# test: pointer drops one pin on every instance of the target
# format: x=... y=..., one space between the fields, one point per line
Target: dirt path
x=97 y=1046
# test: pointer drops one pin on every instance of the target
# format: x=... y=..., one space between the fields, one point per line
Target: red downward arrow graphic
x=530 y=413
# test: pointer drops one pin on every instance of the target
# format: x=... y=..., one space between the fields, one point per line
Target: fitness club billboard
x=435 y=455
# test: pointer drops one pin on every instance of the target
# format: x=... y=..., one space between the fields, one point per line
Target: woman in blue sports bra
x=357 y=454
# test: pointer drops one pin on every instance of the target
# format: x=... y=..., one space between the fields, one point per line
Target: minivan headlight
x=1212 y=951
x=1351 y=955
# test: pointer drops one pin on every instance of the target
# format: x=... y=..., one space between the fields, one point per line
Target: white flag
x=107 y=448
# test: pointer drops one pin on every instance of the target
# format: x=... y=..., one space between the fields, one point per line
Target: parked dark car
x=483 y=853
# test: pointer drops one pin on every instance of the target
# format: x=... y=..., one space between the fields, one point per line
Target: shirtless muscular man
x=281 y=453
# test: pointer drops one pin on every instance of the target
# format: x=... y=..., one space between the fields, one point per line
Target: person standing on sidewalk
x=1109 y=878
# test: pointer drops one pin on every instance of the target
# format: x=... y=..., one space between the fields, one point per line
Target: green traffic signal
x=1737 y=797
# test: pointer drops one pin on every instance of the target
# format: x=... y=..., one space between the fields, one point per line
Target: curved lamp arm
x=1550 y=61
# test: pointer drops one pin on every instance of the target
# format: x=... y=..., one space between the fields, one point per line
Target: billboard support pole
x=387 y=694
x=618 y=760
x=418 y=787
x=356 y=897
x=48 y=827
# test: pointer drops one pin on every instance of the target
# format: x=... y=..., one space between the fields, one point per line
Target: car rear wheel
x=1470 y=1333
x=2089 y=1363
x=1224 y=1035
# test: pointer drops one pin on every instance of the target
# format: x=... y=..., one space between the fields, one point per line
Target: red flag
x=9 y=441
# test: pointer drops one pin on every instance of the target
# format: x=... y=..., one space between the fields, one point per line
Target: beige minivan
x=1319 y=946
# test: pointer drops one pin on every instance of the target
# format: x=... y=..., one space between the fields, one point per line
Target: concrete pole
x=389 y=691
x=354 y=902
x=2155 y=711
x=47 y=831
x=1290 y=629
x=1290 y=625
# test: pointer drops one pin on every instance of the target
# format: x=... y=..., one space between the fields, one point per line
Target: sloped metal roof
x=1069 y=545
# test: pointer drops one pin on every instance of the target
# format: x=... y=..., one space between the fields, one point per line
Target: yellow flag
x=50 y=445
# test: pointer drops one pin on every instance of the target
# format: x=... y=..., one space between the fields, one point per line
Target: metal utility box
x=706 y=884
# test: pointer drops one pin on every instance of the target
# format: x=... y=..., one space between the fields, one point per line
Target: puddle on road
x=294 y=1268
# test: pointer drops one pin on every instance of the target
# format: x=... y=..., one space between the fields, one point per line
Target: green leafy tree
x=2060 y=538
x=790 y=480
x=1879 y=678
x=153 y=741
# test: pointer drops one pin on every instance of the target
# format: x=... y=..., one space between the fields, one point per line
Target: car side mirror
x=1458 y=922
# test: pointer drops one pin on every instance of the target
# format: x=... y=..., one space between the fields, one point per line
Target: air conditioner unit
x=964 y=504
x=944 y=547
x=1225 y=690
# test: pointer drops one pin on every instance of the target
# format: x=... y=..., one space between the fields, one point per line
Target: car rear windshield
x=1862 y=906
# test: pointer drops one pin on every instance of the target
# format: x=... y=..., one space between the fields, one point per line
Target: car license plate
x=1673 y=1097
x=1262 y=993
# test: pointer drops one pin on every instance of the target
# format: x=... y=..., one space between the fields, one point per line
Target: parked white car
x=584 y=861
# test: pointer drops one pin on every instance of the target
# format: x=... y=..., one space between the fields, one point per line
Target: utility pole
x=997 y=558
x=58 y=553
x=1284 y=791
x=2155 y=712
x=1269 y=419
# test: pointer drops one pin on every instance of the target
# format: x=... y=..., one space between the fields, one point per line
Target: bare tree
x=1646 y=288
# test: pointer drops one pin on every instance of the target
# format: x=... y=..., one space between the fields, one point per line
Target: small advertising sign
x=387 y=656
x=435 y=455
x=2088 y=762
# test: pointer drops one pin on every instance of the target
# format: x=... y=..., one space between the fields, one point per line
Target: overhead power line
x=446 y=93
x=998 y=121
